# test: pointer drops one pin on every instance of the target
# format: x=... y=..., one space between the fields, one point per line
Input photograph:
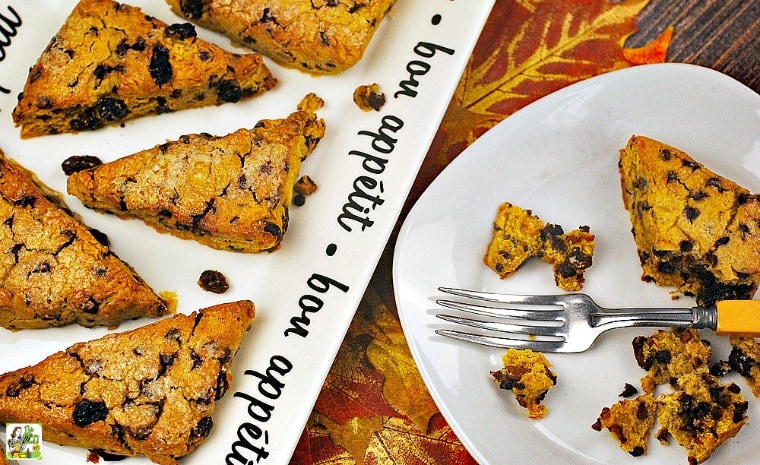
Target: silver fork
x=556 y=323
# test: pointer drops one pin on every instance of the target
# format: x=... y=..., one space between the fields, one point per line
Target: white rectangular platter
x=306 y=292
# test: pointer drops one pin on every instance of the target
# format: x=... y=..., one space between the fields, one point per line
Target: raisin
x=44 y=103
x=77 y=163
x=686 y=246
x=222 y=385
x=228 y=91
x=203 y=428
x=87 y=120
x=13 y=390
x=273 y=229
x=181 y=31
x=26 y=201
x=192 y=9
x=299 y=200
x=637 y=451
x=87 y=412
x=213 y=281
x=722 y=241
x=174 y=334
x=160 y=68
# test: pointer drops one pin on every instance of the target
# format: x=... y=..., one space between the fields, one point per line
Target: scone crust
x=321 y=37
x=53 y=271
x=110 y=62
x=149 y=391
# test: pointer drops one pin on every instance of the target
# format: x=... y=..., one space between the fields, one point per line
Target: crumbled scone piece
x=368 y=97
x=570 y=254
x=319 y=37
x=527 y=374
x=701 y=416
x=54 y=270
x=629 y=421
x=110 y=63
x=150 y=391
x=745 y=360
x=516 y=238
x=229 y=192
x=518 y=235
x=699 y=412
x=694 y=229
x=669 y=355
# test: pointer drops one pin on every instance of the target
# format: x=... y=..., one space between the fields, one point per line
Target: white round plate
x=558 y=157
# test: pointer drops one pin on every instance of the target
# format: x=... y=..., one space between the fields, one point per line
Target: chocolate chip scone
x=231 y=192
x=322 y=37
x=148 y=392
x=529 y=376
x=695 y=230
x=53 y=269
x=110 y=62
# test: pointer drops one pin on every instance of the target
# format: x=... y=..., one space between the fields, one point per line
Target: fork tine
x=528 y=330
x=513 y=299
x=503 y=342
x=545 y=314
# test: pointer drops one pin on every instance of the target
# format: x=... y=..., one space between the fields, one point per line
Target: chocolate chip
x=691 y=213
x=629 y=390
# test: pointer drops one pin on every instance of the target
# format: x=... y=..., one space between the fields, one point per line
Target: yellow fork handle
x=738 y=318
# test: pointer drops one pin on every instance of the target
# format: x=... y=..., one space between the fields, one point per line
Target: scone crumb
x=519 y=234
x=527 y=374
x=368 y=97
x=311 y=102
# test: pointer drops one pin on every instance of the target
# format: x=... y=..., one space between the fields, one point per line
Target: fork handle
x=738 y=318
x=695 y=317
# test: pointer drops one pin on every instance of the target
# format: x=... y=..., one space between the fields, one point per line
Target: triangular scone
x=53 y=270
x=111 y=62
x=320 y=37
x=694 y=229
x=149 y=391
x=230 y=192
